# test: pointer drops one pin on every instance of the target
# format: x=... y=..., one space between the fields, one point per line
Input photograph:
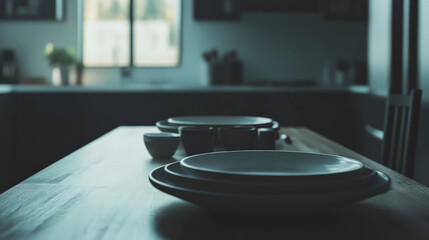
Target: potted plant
x=61 y=59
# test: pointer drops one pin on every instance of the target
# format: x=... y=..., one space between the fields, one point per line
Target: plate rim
x=182 y=123
x=164 y=126
x=382 y=185
x=366 y=176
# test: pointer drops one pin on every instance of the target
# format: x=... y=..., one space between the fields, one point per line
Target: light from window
x=107 y=35
x=156 y=32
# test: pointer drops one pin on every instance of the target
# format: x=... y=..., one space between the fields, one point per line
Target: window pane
x=106 y=33
x=156 y=32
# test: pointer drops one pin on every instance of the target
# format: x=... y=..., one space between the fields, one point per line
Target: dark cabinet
x=346 y=9
x=47 y=10
x=217 y=10
x=232 y=9
x=368 y=119
x=280 y=6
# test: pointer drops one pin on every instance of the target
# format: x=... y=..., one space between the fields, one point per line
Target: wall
x=29 y=40
x=273 y=46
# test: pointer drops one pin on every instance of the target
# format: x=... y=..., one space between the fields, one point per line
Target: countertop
x=5 y=89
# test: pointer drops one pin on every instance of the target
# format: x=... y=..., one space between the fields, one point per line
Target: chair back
x=400 y=132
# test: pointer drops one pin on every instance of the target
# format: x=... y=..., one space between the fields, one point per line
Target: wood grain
x=101 y=191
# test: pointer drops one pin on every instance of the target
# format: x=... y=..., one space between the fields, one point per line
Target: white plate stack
x=269 y=181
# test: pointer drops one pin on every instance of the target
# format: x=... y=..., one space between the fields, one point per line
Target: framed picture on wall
x=47 y=10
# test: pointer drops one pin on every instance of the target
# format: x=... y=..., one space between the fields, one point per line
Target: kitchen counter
x=4 y=89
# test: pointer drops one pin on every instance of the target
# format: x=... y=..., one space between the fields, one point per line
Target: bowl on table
x=197 y=140
x=237 y=137
x=173 y=124
x=267 y=138
x=161 y=145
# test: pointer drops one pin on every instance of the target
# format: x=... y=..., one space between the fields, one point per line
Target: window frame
x=131 y=63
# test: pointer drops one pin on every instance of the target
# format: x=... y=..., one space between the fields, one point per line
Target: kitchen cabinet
x=233 y=9
x=368 y=118
x=50 y=10
x=281 y=6
x=217 y=10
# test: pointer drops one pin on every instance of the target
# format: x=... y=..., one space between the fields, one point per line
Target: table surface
x=102 y=191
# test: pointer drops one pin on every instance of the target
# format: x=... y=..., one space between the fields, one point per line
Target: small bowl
x=197 y=140
x=161 y=145
x=238 y=138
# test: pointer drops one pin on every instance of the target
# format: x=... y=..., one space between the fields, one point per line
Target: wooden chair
x=400 y=132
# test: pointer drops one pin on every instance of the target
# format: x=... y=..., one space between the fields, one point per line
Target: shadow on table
x=187 y=221
x=165 y=161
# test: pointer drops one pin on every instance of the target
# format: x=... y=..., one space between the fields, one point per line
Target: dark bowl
x=238 y=138
x=197 y=140
x=161 y=145
x=267 y=138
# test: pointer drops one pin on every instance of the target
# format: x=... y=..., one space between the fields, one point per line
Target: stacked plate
x=269 y=181
x=173 y=124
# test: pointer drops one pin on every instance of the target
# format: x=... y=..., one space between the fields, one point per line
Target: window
x=141 y=33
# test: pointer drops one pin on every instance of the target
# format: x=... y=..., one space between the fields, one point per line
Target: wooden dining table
x=102 y=191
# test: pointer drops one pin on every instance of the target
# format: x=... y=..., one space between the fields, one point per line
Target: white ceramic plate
x=219 y=121
x=268 y=164
x=362 y=179
x=267 y=203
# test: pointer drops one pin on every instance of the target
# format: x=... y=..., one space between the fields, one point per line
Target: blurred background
x=73 y=70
